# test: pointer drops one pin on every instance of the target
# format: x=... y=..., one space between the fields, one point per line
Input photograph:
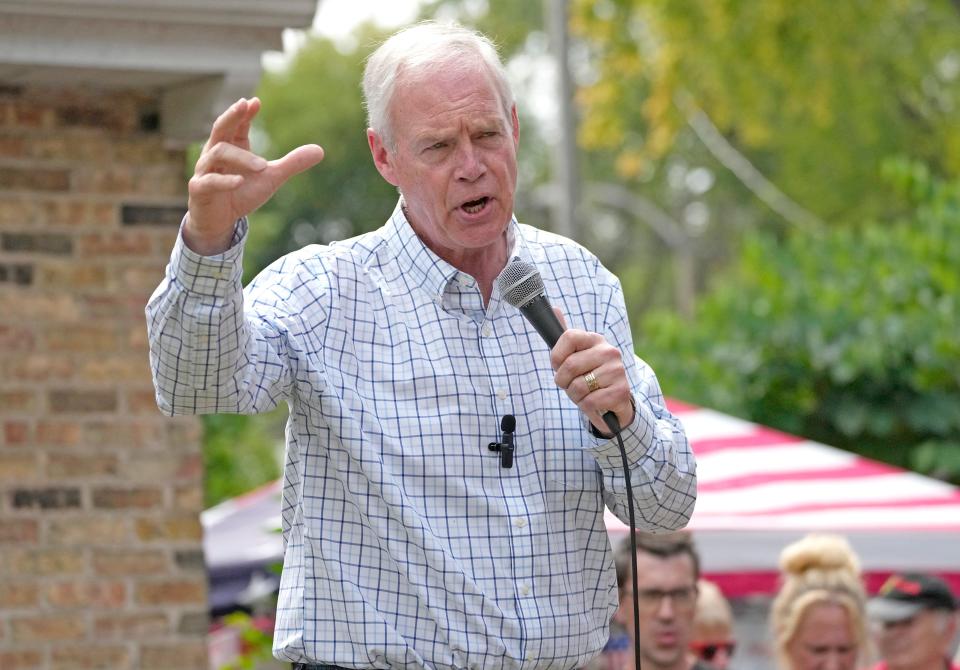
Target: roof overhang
x=198 y=56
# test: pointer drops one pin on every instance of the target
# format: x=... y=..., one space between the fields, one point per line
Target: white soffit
x=197 y=55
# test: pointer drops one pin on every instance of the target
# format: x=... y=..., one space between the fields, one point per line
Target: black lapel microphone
x=505 y=446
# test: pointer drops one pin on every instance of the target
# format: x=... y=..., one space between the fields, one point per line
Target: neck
x=483 y=264
x=485 y=267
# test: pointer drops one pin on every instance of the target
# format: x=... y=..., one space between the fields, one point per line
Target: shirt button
x=486 y=330
x=502 y=394
x=520 y=523
x=524 y=589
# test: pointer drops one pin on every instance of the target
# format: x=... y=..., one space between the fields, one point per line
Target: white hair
x=419 y=50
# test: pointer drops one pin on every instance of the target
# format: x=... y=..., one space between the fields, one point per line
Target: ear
x=382 y=158
x=515 y=122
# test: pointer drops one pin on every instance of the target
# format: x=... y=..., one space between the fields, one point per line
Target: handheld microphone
x=505 y=446
x=522 y=286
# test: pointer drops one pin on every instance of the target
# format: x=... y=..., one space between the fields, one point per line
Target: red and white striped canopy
x=760 y=489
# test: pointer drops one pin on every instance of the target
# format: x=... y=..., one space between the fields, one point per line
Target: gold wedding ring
x=591 y=380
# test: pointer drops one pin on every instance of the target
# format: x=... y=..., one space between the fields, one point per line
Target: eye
x=436 y=146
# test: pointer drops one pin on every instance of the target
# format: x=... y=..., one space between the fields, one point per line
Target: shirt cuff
x=209 y=275
x=606 y=449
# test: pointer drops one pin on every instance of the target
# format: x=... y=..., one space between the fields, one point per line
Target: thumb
x=300 y=159
x=563 y=321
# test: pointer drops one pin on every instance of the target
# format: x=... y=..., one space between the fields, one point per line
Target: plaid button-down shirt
x=407 y=545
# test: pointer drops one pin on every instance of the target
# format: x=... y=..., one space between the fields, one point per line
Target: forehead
x=828 y=622
x=670 y=572
x=440 y=97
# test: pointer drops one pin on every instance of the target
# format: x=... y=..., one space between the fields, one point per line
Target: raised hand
x=229 y=181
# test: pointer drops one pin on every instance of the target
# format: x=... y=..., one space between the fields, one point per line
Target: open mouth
x=474 y=206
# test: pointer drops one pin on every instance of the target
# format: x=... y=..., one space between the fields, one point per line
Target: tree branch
x=739 y=165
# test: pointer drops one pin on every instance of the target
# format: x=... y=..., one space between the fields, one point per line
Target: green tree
x=507 y=22
x=847 y=336
x=240 y=452
x=815 y=93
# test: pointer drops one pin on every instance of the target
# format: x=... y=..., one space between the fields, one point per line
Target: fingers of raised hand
x=300 y=159
x=226 y=158
x=233 y=125
x=213 y=182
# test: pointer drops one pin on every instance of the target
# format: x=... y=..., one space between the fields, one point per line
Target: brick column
x=101 y=562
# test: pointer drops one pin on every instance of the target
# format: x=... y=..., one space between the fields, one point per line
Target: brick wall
x=101 y=562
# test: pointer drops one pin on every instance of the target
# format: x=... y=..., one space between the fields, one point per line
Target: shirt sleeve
x=205 y=356
x=663 y=470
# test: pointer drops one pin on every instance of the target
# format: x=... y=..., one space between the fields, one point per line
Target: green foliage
x=849 y=336
x=507 y=22
x=240 y=452
x=257 y=641
x=816 y=93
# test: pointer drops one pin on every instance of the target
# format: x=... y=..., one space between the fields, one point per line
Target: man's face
x=917 y=643
x=455 y=160
x=668 y=597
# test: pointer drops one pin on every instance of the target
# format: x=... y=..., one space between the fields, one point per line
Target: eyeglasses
x=708 y=650
x=683 y=598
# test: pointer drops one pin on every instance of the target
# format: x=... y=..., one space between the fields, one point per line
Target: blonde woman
x=713 y=640
x=818 y=614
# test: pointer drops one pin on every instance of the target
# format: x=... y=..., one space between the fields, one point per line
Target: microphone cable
x=614 y=425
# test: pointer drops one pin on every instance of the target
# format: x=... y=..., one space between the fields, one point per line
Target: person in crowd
x=818 y=616
x=408 y=542
x=713 y=633
x=668 y=569
x=914 y=619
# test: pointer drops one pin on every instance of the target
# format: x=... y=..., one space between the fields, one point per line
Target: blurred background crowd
x=821 y=617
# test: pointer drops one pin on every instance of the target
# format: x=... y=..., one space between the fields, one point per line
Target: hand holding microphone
x=587 y=367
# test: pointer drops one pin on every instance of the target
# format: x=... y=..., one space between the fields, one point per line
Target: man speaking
x=409 y=543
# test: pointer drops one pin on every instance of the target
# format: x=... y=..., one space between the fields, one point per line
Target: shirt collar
x=423 y=266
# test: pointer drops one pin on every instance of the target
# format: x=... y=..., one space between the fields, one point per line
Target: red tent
x=760 y=489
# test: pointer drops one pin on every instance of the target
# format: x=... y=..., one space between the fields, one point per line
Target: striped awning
x=760 y=489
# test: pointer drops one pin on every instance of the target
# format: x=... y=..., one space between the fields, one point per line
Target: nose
x=470 y=165
x=665 y=607
x=833 y=661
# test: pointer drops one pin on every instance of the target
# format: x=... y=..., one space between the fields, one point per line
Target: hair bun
x=819 y=551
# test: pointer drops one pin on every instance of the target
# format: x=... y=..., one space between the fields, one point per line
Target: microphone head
x=508 y=423
x=520 y=283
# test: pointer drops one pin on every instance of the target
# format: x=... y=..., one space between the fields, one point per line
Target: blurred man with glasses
x=668 y=568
